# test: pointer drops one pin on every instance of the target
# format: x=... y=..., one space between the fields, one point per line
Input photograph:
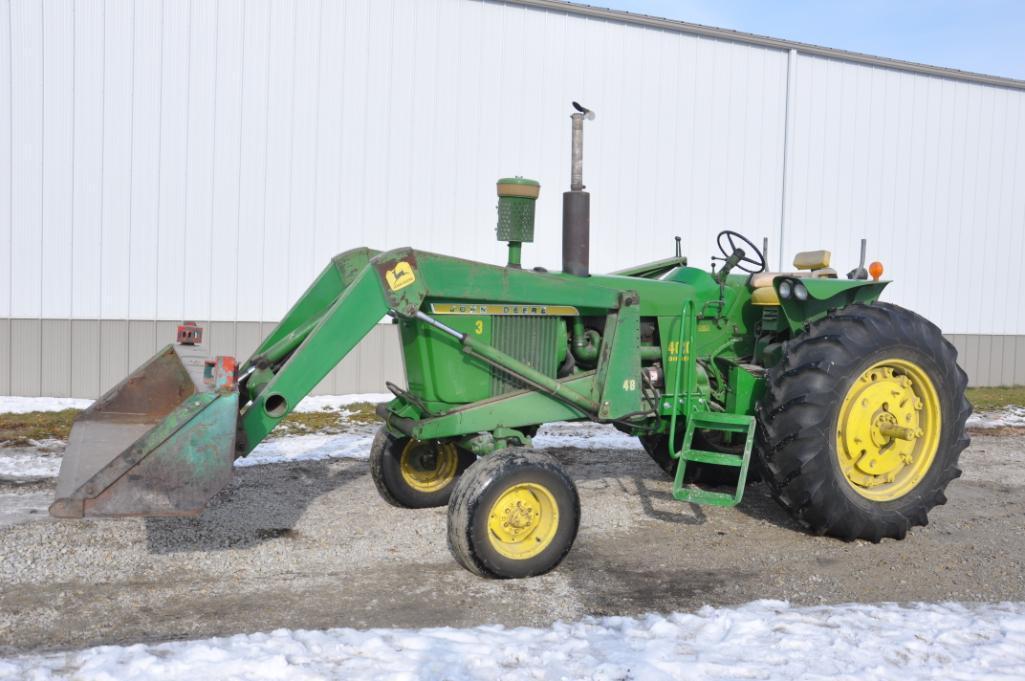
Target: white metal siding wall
x=204 y=160
x=931 y=171
x=162 y=160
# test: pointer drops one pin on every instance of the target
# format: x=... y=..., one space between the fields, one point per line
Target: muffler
x=576 y=204
x=160 y=443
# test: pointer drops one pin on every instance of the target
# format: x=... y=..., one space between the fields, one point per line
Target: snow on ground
x=25 y=463
x=318 y=446
x=1008 y=416
x=314 y=447
x=24 y=405
x=338 y=402
x=28 y=464
x=760 y=640
x=584 y=435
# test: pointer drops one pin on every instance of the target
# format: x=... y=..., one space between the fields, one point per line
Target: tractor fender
x=824 y=296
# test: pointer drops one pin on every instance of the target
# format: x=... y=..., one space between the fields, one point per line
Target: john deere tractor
x=851 y=411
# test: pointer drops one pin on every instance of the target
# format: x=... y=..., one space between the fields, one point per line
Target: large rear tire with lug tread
x=862 y=423
x=515 y=513
x=413 y=474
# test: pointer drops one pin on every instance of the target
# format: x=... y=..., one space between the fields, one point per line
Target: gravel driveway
x=311 y=545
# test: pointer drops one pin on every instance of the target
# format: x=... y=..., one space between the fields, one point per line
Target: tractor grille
x=529 y=339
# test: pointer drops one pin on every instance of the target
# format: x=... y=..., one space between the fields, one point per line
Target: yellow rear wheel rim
x=428 y=466
x=888 y=429
x=523 y=521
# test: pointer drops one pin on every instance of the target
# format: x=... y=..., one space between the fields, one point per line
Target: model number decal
x=523 y=309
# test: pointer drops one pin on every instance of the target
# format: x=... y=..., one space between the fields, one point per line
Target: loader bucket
x=161 y=443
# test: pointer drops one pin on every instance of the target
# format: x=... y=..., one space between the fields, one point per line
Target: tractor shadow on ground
x=261 y=504
x=609 y=585
x=759 y=504
x=637 y=475
x=658 y=503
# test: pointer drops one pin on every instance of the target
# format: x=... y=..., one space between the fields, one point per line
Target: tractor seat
x=809 y=264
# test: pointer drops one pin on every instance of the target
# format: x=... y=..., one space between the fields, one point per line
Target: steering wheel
x=755 y=262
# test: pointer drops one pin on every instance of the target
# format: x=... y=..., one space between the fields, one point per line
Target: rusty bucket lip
x=93 y=496
x=74 y=509
x=67 y=507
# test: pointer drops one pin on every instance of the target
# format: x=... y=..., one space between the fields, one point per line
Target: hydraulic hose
x=585 y=341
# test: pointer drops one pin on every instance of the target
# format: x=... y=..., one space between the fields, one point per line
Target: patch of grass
x=22 y=429
x=990 y=399
x=304 y=423
x=362 y=412
x=310 y=422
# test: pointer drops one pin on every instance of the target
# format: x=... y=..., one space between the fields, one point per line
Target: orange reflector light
x=876 y=270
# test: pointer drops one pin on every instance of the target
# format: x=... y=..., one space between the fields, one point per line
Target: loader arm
x=351 y=296
x=342 y=271
x=319 y=343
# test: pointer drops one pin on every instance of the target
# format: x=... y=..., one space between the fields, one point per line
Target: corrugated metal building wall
x=173 y=160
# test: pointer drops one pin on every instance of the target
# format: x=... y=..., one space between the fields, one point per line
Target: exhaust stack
x=576 y=204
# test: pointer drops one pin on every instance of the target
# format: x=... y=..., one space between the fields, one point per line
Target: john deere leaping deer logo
x=400 y=276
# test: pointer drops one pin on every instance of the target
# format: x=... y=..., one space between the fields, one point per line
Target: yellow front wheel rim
x=429 y=466
x=888 y=429
x=523 y=521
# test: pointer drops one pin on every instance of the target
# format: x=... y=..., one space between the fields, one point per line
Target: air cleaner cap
x=519 y=187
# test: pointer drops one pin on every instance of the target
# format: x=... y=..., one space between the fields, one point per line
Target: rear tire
x=861 y=369
x=413 y=474
x=515 y=513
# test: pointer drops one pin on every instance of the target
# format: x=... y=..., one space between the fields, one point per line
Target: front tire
x=862 y=423
x=413 y=474
x=515 y=513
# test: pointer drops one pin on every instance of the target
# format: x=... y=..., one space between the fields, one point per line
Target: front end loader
x=852 y=411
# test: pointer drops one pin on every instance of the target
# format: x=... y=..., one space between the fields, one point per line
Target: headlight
x=784 y=289
x=800 y=292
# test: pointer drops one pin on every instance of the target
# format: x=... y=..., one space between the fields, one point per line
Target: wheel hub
x=888 y=429
x=523 y=520
x=519 y=516
x=429 y=466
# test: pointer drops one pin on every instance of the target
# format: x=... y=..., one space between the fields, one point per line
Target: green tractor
x=851 y=411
